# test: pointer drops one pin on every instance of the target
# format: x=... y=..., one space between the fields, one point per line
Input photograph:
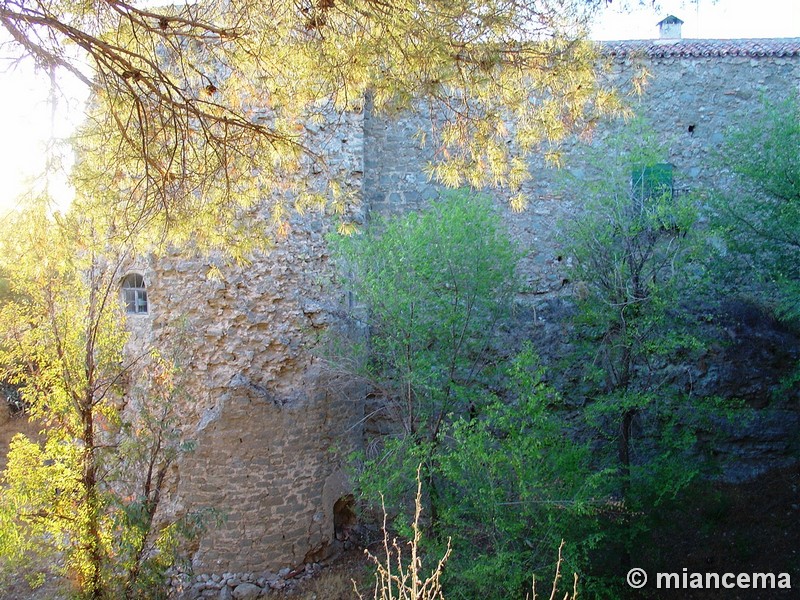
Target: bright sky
x=710 y=19
x=29 y=129
x=25 y=116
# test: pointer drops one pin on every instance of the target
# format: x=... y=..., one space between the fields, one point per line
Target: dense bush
x=502 y=478
x=638 y=249
x=760 y=222
x=507 y=470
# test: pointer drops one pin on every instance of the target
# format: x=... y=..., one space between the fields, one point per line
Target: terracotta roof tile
x=777 y=47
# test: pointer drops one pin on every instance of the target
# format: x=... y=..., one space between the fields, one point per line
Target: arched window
x=134 y=294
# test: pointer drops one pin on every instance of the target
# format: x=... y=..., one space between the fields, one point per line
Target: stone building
x=271 y=423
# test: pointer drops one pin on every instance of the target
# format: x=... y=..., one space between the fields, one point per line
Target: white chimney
x=669 y=28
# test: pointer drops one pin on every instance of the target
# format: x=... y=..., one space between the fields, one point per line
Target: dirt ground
x=336 y=581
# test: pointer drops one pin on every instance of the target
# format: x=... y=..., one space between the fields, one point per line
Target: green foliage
x=631 y=246
x=514 y=482
x=85 y=495
x=760 y=222
x=764 y=150
x=634 y=261
x=63 y=350
x=5 y=288
x=435 y=285
x=202 y=112
x=510 y=481
x=636 y=250
x=501 y=480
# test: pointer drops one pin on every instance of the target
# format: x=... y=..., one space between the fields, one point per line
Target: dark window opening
x=134 y=294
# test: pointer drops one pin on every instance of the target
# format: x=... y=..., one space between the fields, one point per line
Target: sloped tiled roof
x=775 y=47
x=670 y=20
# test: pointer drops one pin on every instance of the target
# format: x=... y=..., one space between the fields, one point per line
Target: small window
x=652 y=181
x=134 y=294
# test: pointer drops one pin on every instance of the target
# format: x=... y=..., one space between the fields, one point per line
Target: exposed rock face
x=753 y=365
x=270 y=424
x=757 y=355
x=748 y=358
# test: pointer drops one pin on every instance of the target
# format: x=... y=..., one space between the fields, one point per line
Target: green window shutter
x=652 y=181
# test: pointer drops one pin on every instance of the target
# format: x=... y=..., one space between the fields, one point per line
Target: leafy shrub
x=500 y=479
x=760 y=222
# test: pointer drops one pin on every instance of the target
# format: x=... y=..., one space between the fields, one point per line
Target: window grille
x=134 y=294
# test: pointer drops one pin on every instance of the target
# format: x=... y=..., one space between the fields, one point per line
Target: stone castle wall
x=271 y=425
x=696 y=92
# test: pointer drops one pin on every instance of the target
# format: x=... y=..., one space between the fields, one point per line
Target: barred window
x=134 y=294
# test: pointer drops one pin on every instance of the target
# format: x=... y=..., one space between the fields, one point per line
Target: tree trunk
x=625 y=449
x=92 y=587
x=625 y=468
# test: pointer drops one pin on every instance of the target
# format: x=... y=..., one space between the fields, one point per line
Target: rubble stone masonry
x=271 y=425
